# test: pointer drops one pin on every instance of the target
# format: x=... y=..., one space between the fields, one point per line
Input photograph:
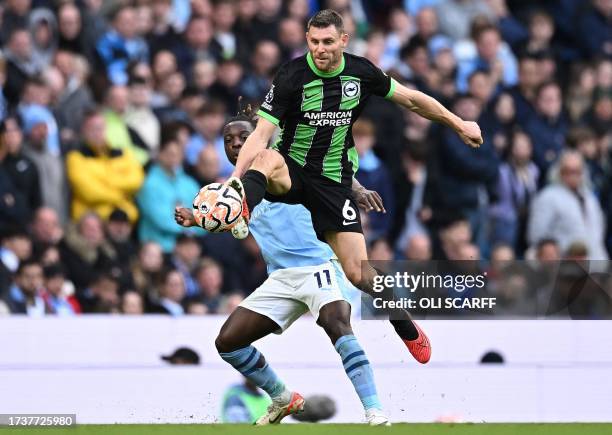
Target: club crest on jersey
x=350 y=88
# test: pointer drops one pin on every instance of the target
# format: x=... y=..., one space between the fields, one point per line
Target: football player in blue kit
x=303 y=276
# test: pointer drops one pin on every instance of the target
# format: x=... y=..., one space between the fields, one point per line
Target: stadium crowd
x=112 y=110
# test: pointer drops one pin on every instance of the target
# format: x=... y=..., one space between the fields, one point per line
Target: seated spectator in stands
x=547 y=250
x=46 y=229
x=547 y=129
x=453 y=233
x=198 y=44
x=209 y=276
x=185 y=258
x=171 y=294
x=147 y=270
x=208 y=123
x=226 y=86
x=53 y=293
x=207 y=168
x=373 y=175
x=230 y=303
x=119 y=234
x=456 y=16
x=516 y=186
x=594 y=29
x=584 y=140
x=481 y=86
x=599 y=117
x=118 y=135
x=492 y=56
x=75 y=100
x=499 y=122
x=244 y=403
x=102 y=295
x=16 y=247
x=567 y=211
x=52 y=185
x=465 y=178
x=25 y=296
x=166 y=186
x=524 y=93
x=84 y=250
x=416 y=66
x=101 y=178
x=140 y=118
x=196 y=307
x=43 y=28
x=121 y=45
x=418 y=247
x=20 y=65
x=35 y=107
x=72 y=36
x=264 y=62
x=380 y=250
x=131 y=303
x=20 y=168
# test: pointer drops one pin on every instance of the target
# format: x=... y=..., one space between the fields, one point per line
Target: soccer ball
x=217 y=207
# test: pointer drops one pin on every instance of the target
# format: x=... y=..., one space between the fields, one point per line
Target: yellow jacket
x=102 y=182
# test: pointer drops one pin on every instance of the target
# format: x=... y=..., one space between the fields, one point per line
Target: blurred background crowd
x=112 y=114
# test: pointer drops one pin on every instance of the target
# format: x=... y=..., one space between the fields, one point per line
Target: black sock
x=254 y=183
x=405 y=329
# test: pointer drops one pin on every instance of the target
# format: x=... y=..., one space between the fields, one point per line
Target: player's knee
x=335 y=322
x=224 y=342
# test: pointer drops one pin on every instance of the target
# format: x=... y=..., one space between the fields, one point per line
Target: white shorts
x=289 y=293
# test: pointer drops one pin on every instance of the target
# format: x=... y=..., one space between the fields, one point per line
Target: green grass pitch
x=322 y=429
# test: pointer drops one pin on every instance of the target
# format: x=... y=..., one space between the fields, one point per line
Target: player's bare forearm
x=433 y=110
x=368 y=200
x=255 y=143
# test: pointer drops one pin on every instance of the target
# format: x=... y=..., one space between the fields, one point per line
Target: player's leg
x=233 y=343
x=335 y=319
x=268 y=172
x=350 y=248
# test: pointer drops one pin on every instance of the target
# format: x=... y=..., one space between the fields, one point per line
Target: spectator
x=500 y=122
x=131 y=303
x=418 y=248
x=567 y=211
x=102 y=295
x=166 y=187
x=185 y=258
x=20 y=64
x=198 y=44
x=43 y=28
x=52 y=187
x=16 y=248
x=19 y=168
x=516 y=186
x=208 y=167
x=226 y=87
x=455 y=16
x=264 y=61
x=171 y=294
x=118 y=135
x=53 y=293
x=594 y=29
x=426 y=22
x=373 y=175
x=85 y=251
x=208 y=123
x=72 y=37
x=183 y=356
x=466 y=177
x=209 y=277
x=102 y=178
x=547 y=129
x=244 y=403
x=492 y=56
x=35 y=107
x=230 y=303
x=291 y=38
x=46 y=227
x=140 y=118
x=25 y=296
x=524 y=94
x=121 y=45
x=14 y=16
x=147 y=270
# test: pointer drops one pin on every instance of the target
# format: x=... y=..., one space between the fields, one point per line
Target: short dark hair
x=326 y=18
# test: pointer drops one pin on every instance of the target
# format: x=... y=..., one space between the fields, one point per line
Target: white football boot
x=280 y=409
x=376 y=417
x=240 y=230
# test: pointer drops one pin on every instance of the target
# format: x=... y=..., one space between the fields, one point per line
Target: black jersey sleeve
x=276 y=101
x=377 y=81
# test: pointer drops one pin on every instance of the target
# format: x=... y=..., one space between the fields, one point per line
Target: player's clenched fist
x=470 y=133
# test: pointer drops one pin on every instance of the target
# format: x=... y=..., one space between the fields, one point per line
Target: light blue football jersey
x=285 y=235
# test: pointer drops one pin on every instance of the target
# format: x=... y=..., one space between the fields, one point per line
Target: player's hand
x=470 y=134
x=369 y=200
x=184 y=217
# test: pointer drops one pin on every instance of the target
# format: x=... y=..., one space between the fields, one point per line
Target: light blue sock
x=246 y=361
x=359 y=371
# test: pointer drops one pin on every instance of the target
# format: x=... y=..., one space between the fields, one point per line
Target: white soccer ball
x=217 y=207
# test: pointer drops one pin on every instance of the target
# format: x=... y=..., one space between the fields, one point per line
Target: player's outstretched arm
x=255 y=143
x=184 y=217
x=432 y=109
x=368 y=200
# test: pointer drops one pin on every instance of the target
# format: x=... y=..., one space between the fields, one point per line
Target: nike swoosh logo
x=309 y=96
x=349 y=222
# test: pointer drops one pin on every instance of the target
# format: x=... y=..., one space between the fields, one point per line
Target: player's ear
x=344 y=38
